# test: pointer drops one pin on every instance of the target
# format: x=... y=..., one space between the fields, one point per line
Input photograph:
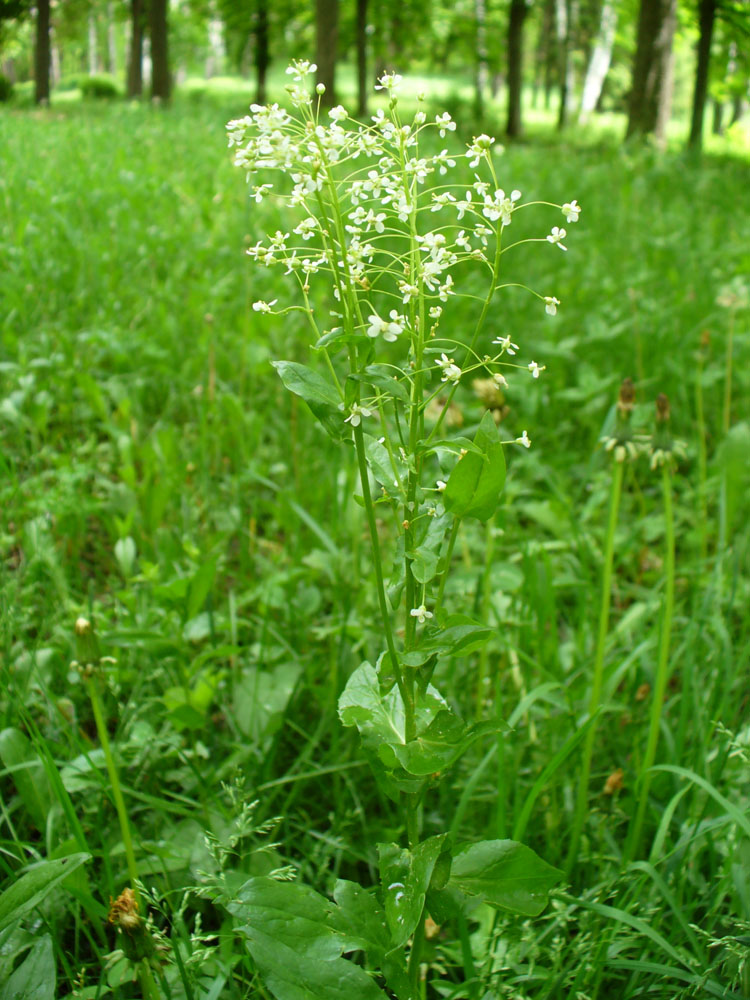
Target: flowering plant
x=380 y=222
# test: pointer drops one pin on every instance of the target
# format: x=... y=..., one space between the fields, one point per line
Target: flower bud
x=320 y=89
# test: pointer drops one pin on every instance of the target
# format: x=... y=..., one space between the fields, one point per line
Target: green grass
x=155 y=476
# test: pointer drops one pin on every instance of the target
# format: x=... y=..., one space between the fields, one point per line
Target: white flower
x=421 y=614
x=306 y=228
x=436 y=312
x=444 y=122
x=259 y=190
x=301 y=68
x=445 y=290
x=556 y=236
x=506 y=345
x=500 y=380
x=356 y=413
x=264 y=307
x=451 y=371
x=479 y=147
x=551 y=304
x=339 y=113
x=388 y=330
x=408 y=291
x=571 y=210
x=500 y=207
x=389 y=82
x=534 y=368
x=463 y=206
x=524 y=440
x=440 y=485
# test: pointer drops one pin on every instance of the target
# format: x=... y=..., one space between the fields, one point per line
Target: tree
x=651 y=90
x=706 y=18
x=159 y=33
x=362 y=87
x=515 y=65
x=601 y=57
x=326 y=42
x=42 y=52
x=481 y=73
x=135 y=54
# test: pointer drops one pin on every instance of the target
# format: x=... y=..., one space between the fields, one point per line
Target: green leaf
x=459 y=636
x=476 y=482
x=441 y=744
x=380 y=717
x=296 y=938
x=384 y=377
x=35 y=978
x=380 y=464
x=22 y=760
x=31 y=888
x=261 y=698
x=405 y=877
x=501 y=873
x=364 y=917
x=321 y=396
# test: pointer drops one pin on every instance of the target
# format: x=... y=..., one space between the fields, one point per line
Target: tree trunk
x=651 y=91
x=135 y=56
x=42 y=52
x=262 y=53
x=717 y=123
x=362 y=58
x=326 y=40
x=111 y=40
x=601 y=57
x=738 y=108
x=565 y=16
x=515 y=67
x=543 y=46
x=93 y=45
x=706 y=17
x=55 y=57
x=160 y=82
x=481 y=73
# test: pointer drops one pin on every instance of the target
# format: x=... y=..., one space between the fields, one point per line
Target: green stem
x=596 y=688
x=364 y=478
x=114 y=781
x=702 y=463
x=448 y=557
x=489 y=552
x=727 y=416
x=662 y=671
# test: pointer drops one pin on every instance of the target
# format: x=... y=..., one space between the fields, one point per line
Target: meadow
x=157 y=479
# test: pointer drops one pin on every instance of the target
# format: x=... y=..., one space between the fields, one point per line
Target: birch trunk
x=601 y=57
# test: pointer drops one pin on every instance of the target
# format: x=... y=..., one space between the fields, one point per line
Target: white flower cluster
x=362 y=192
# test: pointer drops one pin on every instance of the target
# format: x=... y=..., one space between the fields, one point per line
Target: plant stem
x=448 y=556
x=596 y=688
x=727 y=415
x=114 y=781
x=364 y=477
x=662 y=671
x=700 y=418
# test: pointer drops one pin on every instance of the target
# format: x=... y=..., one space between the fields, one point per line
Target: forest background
x=160 y=489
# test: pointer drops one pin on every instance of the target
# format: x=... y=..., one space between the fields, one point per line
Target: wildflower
x=451 y=371
x=390 y=82
x=556 y=237
x=339 y=113
x=571 y=210
x=524 y=440
x=445 y=290
x=436 y=312
x=664 y=448
x=440 y=486
x=264 y=307
x=479 y=148
x=408 y=291
x=500 y=207
x=307 y=227
x=445 y=123
x=388 y=330
x=259 y=190
x=463 y=206
x=535 y=369
x=506 y=345
x=421 y=614
x=500 y=380
x=621 y=444
x=551 y=304
x=356 y=413
x=300 y=68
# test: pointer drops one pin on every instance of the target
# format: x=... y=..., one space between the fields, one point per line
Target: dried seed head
x=614 y=782
x=123 y=912
x=627 y=396
x=662 y=408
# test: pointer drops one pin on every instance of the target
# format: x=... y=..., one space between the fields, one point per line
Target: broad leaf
x=321 y=396
x=501 y=873
x=34 y=979
x=440 y=745
x=296 y=938
x=384 y=377
x=30 y=889
x=405 y=877
x=380 y=465
x=476 y=482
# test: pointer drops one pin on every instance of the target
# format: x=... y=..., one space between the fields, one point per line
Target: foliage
x=157 y=476
x=6 y=89
x=99 y=86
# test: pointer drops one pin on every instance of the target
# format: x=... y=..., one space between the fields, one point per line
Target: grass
x=155 y=477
